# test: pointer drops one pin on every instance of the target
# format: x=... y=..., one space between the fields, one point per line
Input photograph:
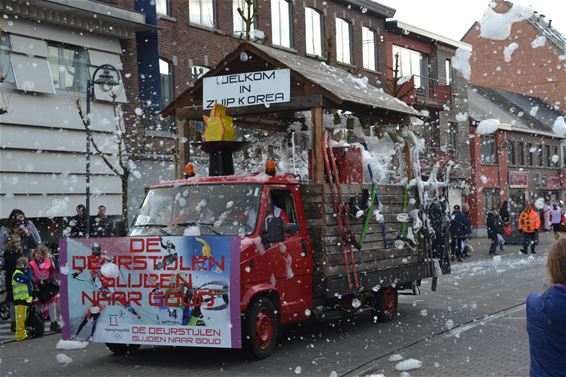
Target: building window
x=281 y=23
x=163 y=7
x=411 y=63
x=6 y=71
x=368 y=46
x=540 y=157
x=530 y=151
x=556 y=159
x=490 y=200
x=564 y=156
x=239 y=23
x=511 y=153
x=487 y=148
x=313 y=31
x=69 y=66
x=201 y=12
x=448 y=73
x=521 y=153
x=197 y=71
x=453 y=135
x=548 y=156
x=343 y=39
x=166 y=74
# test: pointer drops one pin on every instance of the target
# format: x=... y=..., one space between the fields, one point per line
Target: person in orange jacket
x=529 y=224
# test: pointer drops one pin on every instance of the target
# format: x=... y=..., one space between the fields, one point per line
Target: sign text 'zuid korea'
x=247 y=89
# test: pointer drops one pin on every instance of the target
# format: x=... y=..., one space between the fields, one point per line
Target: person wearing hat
x=529 y=224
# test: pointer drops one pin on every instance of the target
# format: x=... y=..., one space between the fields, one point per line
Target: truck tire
x=385 y=304
x=122 y=349
x=260 y=328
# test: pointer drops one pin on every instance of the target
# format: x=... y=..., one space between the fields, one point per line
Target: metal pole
x=89 y=88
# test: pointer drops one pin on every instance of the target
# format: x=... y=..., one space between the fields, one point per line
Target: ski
x=343 y=212
x=374 y=197
x=336 y=211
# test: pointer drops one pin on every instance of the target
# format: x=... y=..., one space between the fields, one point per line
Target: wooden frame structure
x=315 y=87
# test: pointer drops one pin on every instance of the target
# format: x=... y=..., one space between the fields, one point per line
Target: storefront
x=518 y=195
x=550 y=187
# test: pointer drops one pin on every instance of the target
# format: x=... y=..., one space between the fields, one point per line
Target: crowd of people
x=499 y=226
x=28 y=274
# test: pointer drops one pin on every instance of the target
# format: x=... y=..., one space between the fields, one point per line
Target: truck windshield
x=215 y=209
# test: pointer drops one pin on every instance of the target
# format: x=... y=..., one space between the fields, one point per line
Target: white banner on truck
x=247 y=89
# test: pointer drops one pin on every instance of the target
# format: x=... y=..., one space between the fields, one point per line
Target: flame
x=218 y=126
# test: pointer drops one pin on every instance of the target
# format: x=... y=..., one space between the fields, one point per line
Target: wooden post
x=317 y=158
x=184 y=151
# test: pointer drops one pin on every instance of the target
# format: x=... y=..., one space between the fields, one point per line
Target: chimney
x=549 y=24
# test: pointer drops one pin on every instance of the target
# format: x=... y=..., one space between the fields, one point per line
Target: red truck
x=303 y=261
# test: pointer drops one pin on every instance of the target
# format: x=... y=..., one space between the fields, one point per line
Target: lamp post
x=106 y=81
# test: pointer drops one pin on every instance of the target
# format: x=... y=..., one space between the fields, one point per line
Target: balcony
x=420 y=90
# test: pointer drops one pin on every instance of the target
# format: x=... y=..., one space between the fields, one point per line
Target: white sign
x=247 y=89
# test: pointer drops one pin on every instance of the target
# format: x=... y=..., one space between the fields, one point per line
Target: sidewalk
x=481 y=247
x=495 y=346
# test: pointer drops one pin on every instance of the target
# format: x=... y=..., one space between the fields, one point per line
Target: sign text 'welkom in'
x=247 y=89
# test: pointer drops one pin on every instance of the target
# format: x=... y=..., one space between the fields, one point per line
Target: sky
x=452 y=18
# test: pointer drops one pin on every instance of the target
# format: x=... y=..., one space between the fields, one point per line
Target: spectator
x=529 y=224
x=459 y=230
x=4 y=234
x=494 y=229
x=467 y=248
x=546 y=322
x=102 y=226
x=504 y=213
x=556 y=219
x=18 y=217
x=547 y=224
x=27 y=241
x=12 y=251
x=78 y=223
x=22 y=295
x=45 y=283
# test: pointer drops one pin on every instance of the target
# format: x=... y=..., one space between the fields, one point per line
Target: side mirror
x=291 y=228
x=273 y=230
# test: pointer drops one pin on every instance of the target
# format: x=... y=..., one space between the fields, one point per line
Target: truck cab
x=276 y=259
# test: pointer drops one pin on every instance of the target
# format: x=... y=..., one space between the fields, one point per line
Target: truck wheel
x=261 y=327
x=385 y=304
x=122 y=349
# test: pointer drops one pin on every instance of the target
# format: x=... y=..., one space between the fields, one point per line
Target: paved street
x=472 y=326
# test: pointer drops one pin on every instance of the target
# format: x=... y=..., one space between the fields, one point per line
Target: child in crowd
x=22 y=293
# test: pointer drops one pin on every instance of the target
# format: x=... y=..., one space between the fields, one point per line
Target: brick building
x=530 y=68
x=421 y=61
x=521 y=161
x=193 y=36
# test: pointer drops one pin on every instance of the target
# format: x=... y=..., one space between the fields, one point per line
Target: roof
x=512 y=109
x=544 y=28
x=95 y=11
x=373 y=7
x=428 y=34
x=253 y=178
x=338 y=85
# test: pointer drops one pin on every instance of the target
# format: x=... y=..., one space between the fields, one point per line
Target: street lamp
x=108 y=79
